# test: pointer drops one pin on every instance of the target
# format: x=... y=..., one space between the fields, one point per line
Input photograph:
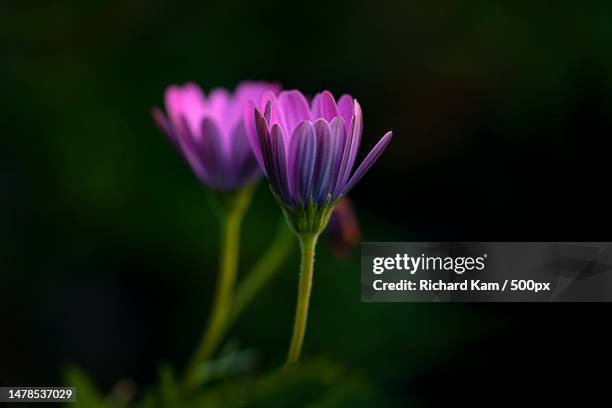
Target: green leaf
x=87 y=394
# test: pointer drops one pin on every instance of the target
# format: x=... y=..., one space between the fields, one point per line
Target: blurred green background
x=108 y=248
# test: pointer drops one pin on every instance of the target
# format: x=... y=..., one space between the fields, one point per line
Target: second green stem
x=263 y=270
x=224 y=293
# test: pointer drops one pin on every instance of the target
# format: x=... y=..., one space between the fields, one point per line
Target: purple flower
x=308 y=151
x=209 y=131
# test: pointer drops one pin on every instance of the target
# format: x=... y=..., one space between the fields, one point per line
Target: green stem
x=225 y=288
x=308 y=244
x=265 y=268
x=233 y=208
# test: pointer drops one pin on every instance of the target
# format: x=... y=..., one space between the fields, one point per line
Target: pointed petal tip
x=301 y=125
x=367 y=163
x=357 y=107
x=268 y=110
x=162 y=123
x=324 y=106
x=291 y=92
x=248 y=112
x=258 y=115
x=276 y=128
x=328 y=93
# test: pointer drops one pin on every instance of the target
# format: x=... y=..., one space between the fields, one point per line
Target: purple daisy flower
x=308 y=152
x=209 y=131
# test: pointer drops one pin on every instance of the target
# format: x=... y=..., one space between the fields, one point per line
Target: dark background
x=502 y=118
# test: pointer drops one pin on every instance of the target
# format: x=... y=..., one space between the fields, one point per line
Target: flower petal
x=346 y=108
x=280 y=162
x=248 y=171
x=324 y=106
x=164 y=125
x=346 y=151
x=251 y=131
x=273 y=154
x=185 y=101
x=302 y=154
x=291 y=109
x=241 y=157
x=263 y=139
x=239 y=143
x=328 y=144
x=368 y=161
x=267 y=100
x=212 y=153
x=218 y=102
x=356 y=138
x=350 y=150
x=189 y=150
x=339 y=136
